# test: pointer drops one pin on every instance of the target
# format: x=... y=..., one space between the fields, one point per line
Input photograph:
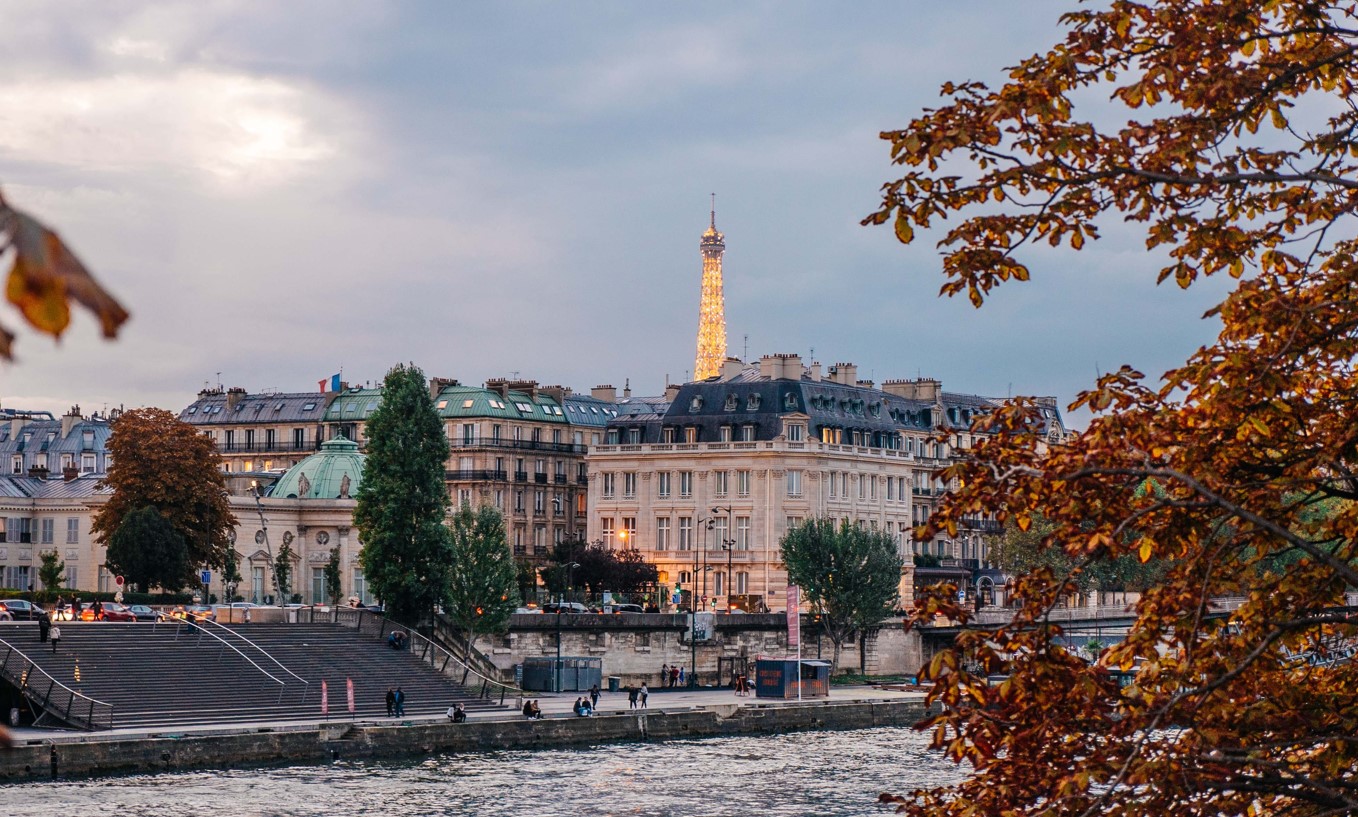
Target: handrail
x=23 y=680
x=263 y=652
x=429 y=653
x=201 y=631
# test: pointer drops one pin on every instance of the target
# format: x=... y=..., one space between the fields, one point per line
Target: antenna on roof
x=745 y=355
x=714 y=211
x=812 y=356
x=219 y=381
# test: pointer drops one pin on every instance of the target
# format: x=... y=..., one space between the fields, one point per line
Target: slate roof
x=211 y=408
x=459 y=402
x=352 y=405
x=586 y=410
x=16 y=487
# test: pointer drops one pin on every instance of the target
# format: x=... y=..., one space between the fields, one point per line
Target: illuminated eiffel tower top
x=712 y=310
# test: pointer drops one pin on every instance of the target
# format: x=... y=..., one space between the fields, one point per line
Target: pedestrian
x=632 y=696
x=44 y=624
x=594 y=697
x=645 y=693
x=536 y=712
x=674 y=676
x=528 y=709
x=400 y=703
x=681 y=676
x=391 y=702
x=457 y=714
x=98 y=610
x=664 y=673
x=55 y=635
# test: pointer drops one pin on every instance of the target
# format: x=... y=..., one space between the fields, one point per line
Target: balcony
x=481 y=475
x=520 y=476
x=560 y=479
x=277 y=447
x=540 y=479
x=519 y=445
x=582 y=480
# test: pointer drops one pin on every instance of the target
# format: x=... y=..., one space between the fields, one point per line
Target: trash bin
x=614 y=683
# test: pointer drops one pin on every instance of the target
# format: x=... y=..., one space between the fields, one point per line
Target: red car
x=112 y=611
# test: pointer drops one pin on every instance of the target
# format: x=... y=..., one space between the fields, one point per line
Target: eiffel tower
x=712 y=311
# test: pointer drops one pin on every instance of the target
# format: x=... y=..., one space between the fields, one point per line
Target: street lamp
x=728 y=545
x=556 y=668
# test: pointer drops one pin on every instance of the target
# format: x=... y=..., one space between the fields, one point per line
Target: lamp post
x=556 y=668
x=693 y=612
x=728 y=545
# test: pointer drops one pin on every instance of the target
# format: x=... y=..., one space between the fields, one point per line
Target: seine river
x=809 y=773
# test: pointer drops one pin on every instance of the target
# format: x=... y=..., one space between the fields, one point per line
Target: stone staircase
x=165 y=675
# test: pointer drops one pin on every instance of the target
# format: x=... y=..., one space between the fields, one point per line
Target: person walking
x=681 y=676
x=632 y=696
x=400 y=703
x=594 y=697
x=664 y=674
x=98 y=610
x=391 y=702
x=674 y=676
x=44 y=625
x=55 y=635
x=645 y=693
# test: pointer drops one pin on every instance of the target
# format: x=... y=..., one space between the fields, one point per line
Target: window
x=629 y=484
x=743 y=483
x=742 y=583
x=796 y=433
x=518 y=500
x=862 y=485
x=725 y=434
x=500 y=499
x=719 y=534
x=742 y=533
x=464 y=497
x=834 y=488
x=318 y=585
x=17 y=464
x=361 y=588
x=230 y=439
x=633 y=436
x=495 y=432
x=629 y=529
x=691 y=434
x=72 y=580
x=662 y=481
x=249 y=439
x=87 y=463
x=667 y=434
x=606 y=528
x=610 y=485
x=685 y=484
x=686 y=533
x=256 y=582
x=747 y=433
x=662 y=533
x=721 y=480
x=73 y=532
x=47 y=528
x=298 y=439
x=539 y=500
x=468 y=433
x=872 y=487
x=718 y=583
x=794 y=483
x=890 y=488
x=18 y=577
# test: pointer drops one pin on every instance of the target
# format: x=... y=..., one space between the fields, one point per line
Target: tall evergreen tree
x=484 y=588
x=849 y=573
x=402 y=501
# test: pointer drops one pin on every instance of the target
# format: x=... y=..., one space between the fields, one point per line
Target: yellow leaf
x=905 y=233
x=1024 y=522
x=1145 y=552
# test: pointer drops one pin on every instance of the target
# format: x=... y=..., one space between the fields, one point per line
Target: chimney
x=815 y=371
x=557 y=393
x=17 y=423
x=438 y=384
x=671 y=391
x=627 y=387
x=69 y=473
x=233 y=397
x=37 y=472
x=769 y=367
x=499 y=385
x=69 y=419
x=926 y=389
x=865 y=384
x=608 y=394
x=844 y=373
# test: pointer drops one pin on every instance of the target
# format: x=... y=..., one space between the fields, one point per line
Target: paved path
x=553 y=706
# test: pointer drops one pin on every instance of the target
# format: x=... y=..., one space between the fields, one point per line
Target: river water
x=808 y=773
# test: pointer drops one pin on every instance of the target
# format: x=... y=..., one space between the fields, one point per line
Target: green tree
x=527 y=579
x=147 y=551
x=231 y=577
x=160 y=462
x=850 y=574
x=333 y=587
x=402 y=501
x=484 y=588
x=52 y=572
x=282 y=573
x=1223 y=132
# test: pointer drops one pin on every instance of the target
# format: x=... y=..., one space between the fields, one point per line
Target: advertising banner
x=794 y=617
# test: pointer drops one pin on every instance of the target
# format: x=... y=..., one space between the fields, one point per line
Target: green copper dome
x=334 y=473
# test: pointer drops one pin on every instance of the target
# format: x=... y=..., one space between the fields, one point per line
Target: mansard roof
x=213 y=407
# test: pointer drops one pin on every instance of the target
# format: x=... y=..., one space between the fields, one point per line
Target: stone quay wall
x=634 y=647
x=94 y=755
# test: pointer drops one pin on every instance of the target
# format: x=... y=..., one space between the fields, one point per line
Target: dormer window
x=696 y=404
x=752 y=404
x=790 y=401
x=732 y=402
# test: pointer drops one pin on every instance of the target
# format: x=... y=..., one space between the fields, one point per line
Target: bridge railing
x=50 y=695
x=191 y=626
x=227 y=631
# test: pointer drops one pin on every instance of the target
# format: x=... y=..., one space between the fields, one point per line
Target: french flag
x=331 y=383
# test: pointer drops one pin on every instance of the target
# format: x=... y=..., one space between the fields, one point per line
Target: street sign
x=205 y=577
x=118 y=580
x=794 y=618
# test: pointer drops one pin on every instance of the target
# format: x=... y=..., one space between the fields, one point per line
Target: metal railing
x=180 y=625
x=50 y=695
x=306 y=685
x=521 y=445
x=430 y=652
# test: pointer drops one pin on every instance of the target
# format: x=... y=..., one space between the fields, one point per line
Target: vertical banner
x=349 y=684
x=794 y=617
x=325 y=699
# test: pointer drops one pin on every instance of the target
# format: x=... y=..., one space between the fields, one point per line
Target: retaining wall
x=94 y=756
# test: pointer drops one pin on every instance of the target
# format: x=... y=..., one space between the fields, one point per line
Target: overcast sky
x=279 y=190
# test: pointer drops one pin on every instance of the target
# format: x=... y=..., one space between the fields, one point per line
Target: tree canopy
x=402 y=500
x=157 y=461
x=52 y=571
x=599 y=569
x=849 y=573
x=484 y=588
x=1226 y=134
x=147 y=552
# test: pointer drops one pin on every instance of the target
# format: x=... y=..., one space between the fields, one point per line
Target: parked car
x=145 y=613
x=22 y=610
x=528 y=610
x=566 y=607
x=628 y=608
x=195 y=612
x=113 y=611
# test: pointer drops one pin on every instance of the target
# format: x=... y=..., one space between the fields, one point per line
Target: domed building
x=311 y=510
